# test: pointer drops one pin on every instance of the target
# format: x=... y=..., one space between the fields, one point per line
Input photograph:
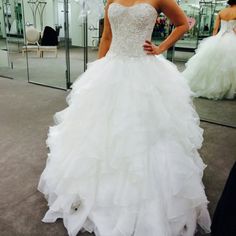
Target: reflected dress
x=123 y=155
x=211 y=72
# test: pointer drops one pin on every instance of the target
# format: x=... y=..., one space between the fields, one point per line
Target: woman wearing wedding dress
x=123 y=155
x=211 y=73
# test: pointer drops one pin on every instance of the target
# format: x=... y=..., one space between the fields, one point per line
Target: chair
x=32 y=40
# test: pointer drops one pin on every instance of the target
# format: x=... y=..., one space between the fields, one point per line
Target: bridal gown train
x=211 y=72
x=123 y=155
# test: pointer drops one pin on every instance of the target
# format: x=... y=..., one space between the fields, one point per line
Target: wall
x=51 y=18
x=76 y=27
x=49 y=14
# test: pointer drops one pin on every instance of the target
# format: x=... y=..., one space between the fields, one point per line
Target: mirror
x=12 y=63
x=201 y=17
x=77 y=41
x=45 y=43
x=52 y=36
x=184 y=48
x=84 y=39
x=58 y=43
x=162 y=29
x=222 y=112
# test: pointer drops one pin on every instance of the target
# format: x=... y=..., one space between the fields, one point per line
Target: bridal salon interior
x=45 y=45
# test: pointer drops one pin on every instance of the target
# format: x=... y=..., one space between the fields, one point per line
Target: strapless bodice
x=130 y=26
x=227 y=26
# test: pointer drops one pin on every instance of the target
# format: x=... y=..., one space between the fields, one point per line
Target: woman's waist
x=127 y=50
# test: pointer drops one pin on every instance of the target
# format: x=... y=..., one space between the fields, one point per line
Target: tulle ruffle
x=211 y=73
x=123 y=155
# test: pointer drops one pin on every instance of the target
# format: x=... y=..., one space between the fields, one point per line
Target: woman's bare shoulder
x=223 y=11
x=227 y=14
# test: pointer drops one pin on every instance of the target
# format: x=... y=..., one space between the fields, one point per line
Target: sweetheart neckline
x=135 y=5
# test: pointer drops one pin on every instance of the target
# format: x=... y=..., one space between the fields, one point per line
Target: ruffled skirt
x=123 y=155
x=211 y=72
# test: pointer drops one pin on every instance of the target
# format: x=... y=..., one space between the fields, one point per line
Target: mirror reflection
x=45 y=42
x=12 y=63
x=209 y=60
x=62 y=41
x=50 y=42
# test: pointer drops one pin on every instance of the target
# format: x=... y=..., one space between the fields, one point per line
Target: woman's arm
x=171 y=9
x=217 y=25
x=106 y=35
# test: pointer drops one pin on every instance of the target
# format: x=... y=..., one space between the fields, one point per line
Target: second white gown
x=211 y=72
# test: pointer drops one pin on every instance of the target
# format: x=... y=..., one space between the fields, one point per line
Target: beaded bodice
x=130 y=26
x=227 y=26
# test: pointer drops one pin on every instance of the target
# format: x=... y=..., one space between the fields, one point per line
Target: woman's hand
x=151 y=49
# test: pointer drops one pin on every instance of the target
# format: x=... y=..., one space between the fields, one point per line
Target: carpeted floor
x=26 y=111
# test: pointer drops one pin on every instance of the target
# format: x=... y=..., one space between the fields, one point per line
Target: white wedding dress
x=211 y=72
x=123 y=156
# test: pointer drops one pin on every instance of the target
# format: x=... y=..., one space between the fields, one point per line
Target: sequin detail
x=131 y=26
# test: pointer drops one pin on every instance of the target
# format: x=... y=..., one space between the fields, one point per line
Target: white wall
x=52 y=15
x=48 y=16
x=76 y=27
x=93 y=22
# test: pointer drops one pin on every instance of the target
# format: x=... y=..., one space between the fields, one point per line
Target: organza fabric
x=211 y=72
x=123 y=155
